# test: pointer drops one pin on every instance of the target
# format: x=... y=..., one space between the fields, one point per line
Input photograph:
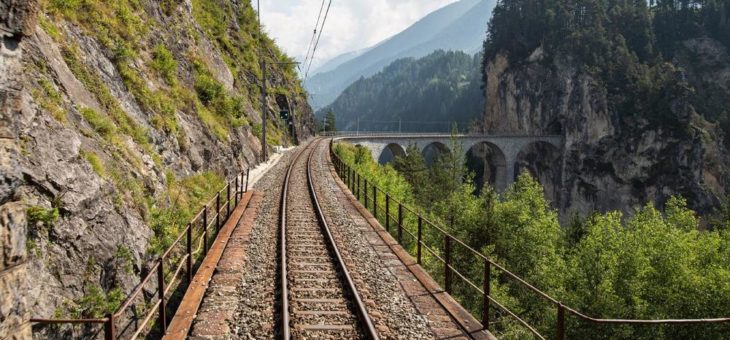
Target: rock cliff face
x=132 y=113
x=17 y=20
x=609 y=161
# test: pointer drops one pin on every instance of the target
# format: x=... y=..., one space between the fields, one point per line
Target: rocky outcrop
x=17 y=19
x=609 y=161
x=124 y=116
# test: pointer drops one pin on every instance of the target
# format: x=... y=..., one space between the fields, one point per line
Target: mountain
x=639 y=92
x=460 y=26
x=119 y=121
x=414 y=95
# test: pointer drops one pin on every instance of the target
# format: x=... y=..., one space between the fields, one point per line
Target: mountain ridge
x=420 y=39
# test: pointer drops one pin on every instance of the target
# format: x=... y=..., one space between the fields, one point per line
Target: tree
x=329 y=124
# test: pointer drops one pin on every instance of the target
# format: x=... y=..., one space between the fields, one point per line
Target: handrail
x=352 y=178
x=157 y=269
x=376 y=134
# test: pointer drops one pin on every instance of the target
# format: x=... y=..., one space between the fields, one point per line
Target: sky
x=351 y=25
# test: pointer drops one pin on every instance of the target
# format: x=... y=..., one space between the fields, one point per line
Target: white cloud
x=351 y=24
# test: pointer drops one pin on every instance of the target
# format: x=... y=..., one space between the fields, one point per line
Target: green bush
x=46 y=217
x=100 y=123
x=208 y=88
x=96 y=164
x=96 y=303
x=164 y=63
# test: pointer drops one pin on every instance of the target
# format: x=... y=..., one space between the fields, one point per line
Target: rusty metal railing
x=396 y=212
x=207 y=226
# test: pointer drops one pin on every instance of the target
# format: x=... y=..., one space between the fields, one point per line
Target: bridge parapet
x=507 y=147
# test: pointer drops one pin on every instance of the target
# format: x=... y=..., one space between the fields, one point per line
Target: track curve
x=318 y=297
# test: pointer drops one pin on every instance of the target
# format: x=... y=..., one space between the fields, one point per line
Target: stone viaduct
x=386 y=146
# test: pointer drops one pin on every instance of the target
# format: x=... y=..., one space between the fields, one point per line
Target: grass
x=182 y=200
x=39 y=215
x=124 y=254
x=164 y=63
x=96 y=302
x=50 y=100
x=100 y=123
x=95 y=162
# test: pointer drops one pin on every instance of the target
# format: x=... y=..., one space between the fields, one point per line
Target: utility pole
x=264 y=114
x=263 y=110
x=358 y=126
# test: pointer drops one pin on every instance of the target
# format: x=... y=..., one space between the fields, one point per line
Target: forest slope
x=640 y=93
x=414 y=95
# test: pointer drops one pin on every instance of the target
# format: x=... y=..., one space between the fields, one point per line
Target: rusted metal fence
x=397 y=212
x=143 y=305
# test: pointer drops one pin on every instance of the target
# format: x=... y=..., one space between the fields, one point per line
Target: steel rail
x=285 y=330
x=362 y=312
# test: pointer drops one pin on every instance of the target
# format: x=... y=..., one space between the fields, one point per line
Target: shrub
x=98 y=122
x=164 y=63
x=47 y=217
x=96 y=303
x=208 y=88
x=95 y=162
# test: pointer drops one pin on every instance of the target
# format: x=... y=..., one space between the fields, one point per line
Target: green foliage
x=94 y=84
x=98 y=122
x=208 y=88
x=50 y=100
x=96 y=164
x=164 y=63
x=124 y=255
x=422 y=95
x=651 y=265
x=329 y=124
x=181 y=201
x=96 y=302
x=626 y=46
x=216 y=98
x=40 y=215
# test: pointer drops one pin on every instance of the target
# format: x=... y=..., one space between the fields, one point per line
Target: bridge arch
x=390 y=153
x=433 y=151
x=489 y=165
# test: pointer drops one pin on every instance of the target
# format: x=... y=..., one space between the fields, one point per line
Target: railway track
x=318 y=297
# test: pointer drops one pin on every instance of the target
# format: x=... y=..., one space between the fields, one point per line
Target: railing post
x=228 y=201
x=420 y=237
x=218 y=211
x=205 y=231
x=189 y=249
x=387 y=212
x=486 y=287
x=447 y=263
x=400 y=223
x=359 y=180
x=365 y=193
x=161 y=294
x=375 y=202
x=561 y=322
x=236 y=192
x=248 y=174
x=109 y=327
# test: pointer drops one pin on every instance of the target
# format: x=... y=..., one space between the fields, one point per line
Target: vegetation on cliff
x=155 y=104
x=652 y=265
x=627 y=46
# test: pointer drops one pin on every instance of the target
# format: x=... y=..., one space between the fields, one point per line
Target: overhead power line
x=314 y=50
x=314 y=34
